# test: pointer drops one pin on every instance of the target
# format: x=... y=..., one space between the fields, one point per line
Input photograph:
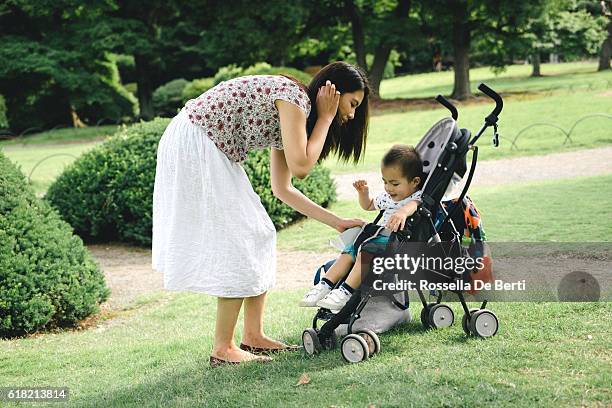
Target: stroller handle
x=448 y=105
x=499 y=103
x=492 y=119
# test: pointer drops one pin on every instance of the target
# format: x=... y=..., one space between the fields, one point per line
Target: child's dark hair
x=407 y=158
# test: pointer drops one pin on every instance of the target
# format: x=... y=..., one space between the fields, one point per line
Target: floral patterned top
x=239 y=115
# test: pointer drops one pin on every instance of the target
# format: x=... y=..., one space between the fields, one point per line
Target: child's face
x=396 y=184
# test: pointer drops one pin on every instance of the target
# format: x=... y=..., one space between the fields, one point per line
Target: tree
x=50 y=72
x=386 y=26
x=245 y=32
x=606 y=46
x=161 y=35
x=489 y=21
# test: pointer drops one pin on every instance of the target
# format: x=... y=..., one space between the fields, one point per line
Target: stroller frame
x=420 y=227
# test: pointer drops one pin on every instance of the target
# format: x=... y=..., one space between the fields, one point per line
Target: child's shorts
x=375 y=245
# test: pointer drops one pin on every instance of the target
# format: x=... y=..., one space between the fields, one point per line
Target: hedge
x=198 y=86
x=168 y=98
x=47 y=277
x=107 y=194
x=261 y=68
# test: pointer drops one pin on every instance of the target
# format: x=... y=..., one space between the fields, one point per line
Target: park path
x=588 y=162
x=128 y=269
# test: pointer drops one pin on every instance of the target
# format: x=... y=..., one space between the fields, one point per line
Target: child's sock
x=346 y=289
x=327 y=282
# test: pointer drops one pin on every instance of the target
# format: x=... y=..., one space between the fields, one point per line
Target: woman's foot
x=264 y=344
x=232 y=355
x=318 y=292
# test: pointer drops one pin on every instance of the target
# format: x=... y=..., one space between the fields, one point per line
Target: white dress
x=211 y=233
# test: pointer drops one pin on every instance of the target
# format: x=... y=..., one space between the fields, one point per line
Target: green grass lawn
x=51 y=160
x=54 y=149
x=63 y=136
x=545 y=354
x=567 y=210
x=575 y=75
x=559 y=109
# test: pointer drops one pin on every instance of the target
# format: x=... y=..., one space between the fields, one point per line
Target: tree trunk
x=606 y=51
x=378 y=68
x=535 y=60
x=145 y=88
x=383 y=49
x=76 y=121
x=358 y=35
x=461 y=51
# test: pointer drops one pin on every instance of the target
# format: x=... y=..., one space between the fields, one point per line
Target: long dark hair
x=347 y=141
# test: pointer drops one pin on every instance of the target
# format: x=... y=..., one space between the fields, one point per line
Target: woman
x=211 y=233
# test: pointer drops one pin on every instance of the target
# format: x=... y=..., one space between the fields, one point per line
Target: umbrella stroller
x=430 y=230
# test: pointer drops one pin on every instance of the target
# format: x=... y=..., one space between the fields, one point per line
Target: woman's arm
x=280 y=176
x=301 y=152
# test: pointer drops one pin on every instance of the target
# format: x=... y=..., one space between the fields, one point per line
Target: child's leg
x=354 y=278
x=339 y=269
x=337 y=298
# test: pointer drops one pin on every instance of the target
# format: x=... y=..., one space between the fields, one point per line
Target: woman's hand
x=346 y=223
x=327 y=101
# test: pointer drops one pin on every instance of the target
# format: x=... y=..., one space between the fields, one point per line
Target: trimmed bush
x=227 y=72
x=3 y=120
x=196 y=88
x=107 y=194
x=261 y=68
x=47 y=277
x=168 y=98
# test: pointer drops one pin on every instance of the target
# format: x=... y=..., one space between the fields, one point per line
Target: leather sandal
x=266 y=350
x=217 y=362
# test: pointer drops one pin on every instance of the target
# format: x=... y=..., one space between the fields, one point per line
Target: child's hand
x=361 y=186
x=396 y=221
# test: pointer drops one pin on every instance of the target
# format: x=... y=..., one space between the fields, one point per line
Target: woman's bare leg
x=224 y=346
x=253 y=334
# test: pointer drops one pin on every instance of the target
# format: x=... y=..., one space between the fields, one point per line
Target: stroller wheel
x=310 y=340
x=354 y=348
x=441 y=316
x=425 y=315
x=484 y=323
x=465 y=321
x=372 y=339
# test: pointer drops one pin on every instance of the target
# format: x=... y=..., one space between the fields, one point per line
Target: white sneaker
x=318 y=292
x=335 y=300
